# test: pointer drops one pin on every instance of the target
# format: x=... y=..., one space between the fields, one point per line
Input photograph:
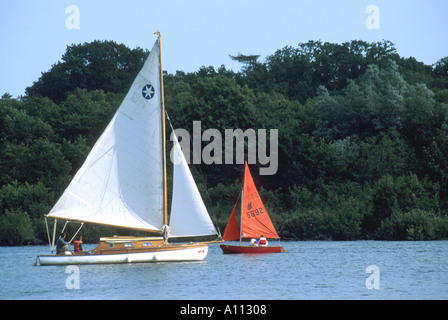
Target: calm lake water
x=310 y=270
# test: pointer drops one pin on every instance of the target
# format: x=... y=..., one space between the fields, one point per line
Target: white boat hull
x=196 y=253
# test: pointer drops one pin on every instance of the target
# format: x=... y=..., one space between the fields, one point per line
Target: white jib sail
x=121 y=181
x=189 y=216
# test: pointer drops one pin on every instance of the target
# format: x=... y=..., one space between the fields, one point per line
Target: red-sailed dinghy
x=255 y=222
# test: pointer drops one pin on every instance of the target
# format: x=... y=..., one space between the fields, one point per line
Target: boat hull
x=129 y=250
x=229 y=249
x=196 y=253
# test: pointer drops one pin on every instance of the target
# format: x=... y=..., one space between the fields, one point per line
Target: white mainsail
x=121 y=181
x=189 y=216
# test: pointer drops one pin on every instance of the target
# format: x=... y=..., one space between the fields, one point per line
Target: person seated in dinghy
x=253 y=242
x=78 y=245
x=263 y=241
x=62 y=245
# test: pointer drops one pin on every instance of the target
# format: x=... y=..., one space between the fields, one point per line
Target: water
x=310 y=270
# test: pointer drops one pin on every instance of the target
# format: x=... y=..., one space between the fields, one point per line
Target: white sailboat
x=123 y=183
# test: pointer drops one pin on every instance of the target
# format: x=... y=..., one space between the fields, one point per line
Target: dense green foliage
x=362 y=137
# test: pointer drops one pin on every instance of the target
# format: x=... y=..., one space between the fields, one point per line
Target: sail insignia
x=148 y=91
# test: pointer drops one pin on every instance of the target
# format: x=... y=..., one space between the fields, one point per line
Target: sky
x=34 y=34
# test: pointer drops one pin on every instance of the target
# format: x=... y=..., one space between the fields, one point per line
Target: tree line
x=361 y=146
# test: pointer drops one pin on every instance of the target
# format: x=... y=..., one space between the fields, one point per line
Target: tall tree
x=96 y=65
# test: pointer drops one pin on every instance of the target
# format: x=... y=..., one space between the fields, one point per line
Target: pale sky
x=34 y=34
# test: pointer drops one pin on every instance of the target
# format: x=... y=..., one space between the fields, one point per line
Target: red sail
x=231 y=232
x=255 y=218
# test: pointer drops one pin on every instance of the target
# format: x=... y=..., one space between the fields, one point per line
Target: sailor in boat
x=263 y=241
x=78 y=244
x=61 y=244
x=254 y=242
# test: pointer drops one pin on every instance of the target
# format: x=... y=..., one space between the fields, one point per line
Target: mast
x=162 y=99
x=241 y=216
x=242 y=199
